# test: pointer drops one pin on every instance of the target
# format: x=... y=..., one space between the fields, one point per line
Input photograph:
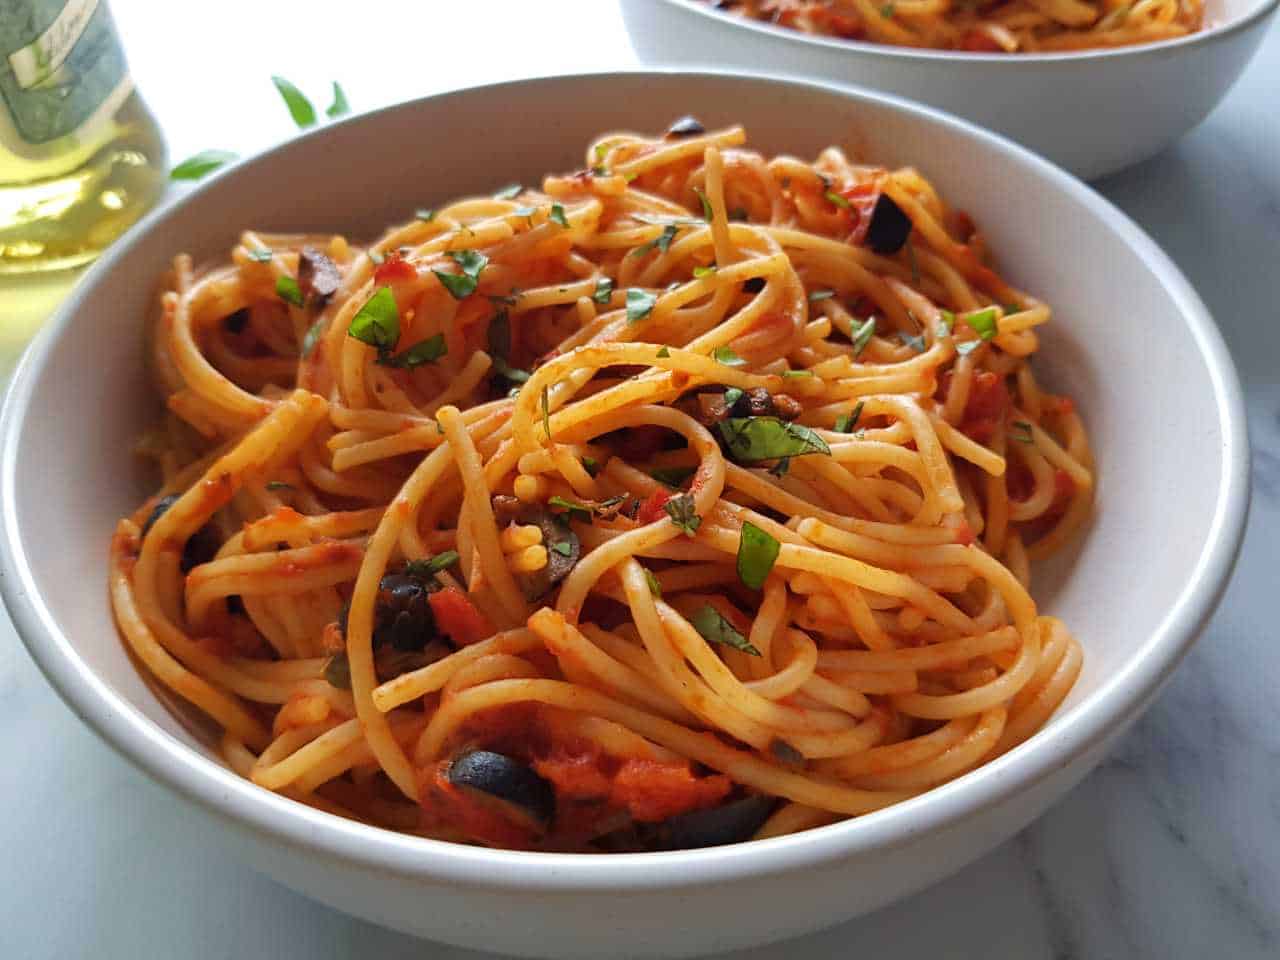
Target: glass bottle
x=81 y=158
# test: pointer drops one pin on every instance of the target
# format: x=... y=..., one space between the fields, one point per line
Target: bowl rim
x=206 y=782
x=890 y=51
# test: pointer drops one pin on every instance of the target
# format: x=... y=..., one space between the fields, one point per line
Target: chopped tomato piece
x=986 y=407
x=444 y=804
x=652 y=508
x=862 y=199
x=1064 y=488
x=394 y=267
x=457 y=616
x=574 y=775
x=653 y=791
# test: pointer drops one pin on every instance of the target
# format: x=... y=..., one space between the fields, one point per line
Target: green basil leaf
x=780 y=468
x=312 y=336
x=462 y=286
x=429 y=568
x=663 y=353
x=731 y=397
x=948 y=320
x=287 y=289
x=260 y=256
x=604 y=290
x=683 y=513
x=378 y=257
x=757 y=552
x=513 y=374
x=1021 y=431
x=662 y=242
x=563 y=547
x=887 y=11
x=796 y=374
x=591 y=465
x=672 y=476
x=862 y=335
x=983 y=323
x=821 y=295
x=546 y=411
x=337 y=672
x=655 y=588
x=572 y=507
x=752 y=439
x=557 y=214
x=459 y=287
x=509 y=192
x=838 y=200
x=701 y=272
x=203 y=163
x=847 y=421
x=425 y=214
x=424 y=351
x=707 y=213
x=726 y=356
x=716 y=629
x=278 y=485
x=304 y=115
x=915 y=343
x=339 y=107
x=639 y=304
x=966 y=347
x=377 y=323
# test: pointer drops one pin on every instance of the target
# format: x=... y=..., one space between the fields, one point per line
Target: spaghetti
x=1002 y=26
x=689 y=498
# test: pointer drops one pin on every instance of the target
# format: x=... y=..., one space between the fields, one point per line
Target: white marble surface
x=1170 y=850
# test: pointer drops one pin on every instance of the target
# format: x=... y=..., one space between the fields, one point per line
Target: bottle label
x=60 y=64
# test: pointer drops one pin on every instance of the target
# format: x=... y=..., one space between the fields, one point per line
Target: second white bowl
x=1092 y=112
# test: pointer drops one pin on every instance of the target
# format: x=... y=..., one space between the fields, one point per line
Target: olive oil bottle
x=81 y=158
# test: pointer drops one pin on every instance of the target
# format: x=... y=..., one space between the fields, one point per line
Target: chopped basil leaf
x=604 y=290
x=204 y=162
x=655 y=588
x=887 y=11
x=546 y=410
x=499 y=334
x=599 y=170
x=260 y=256
x=663 y=353
x=662 y=242
x=377 y=257
x=377 y=323
x=983 y=322
x=425 y=214
x=780 y=468
x=752 y=439
x=916 y=343
x=796 y=374
x=514 y=374
x=571 y=507
x=847 y=421
x=639 y=304
x=591 y=465
x=524 y=211
x=429 y=568
x=707 y=212
x=821 y=295
x=278 y=485
x=731 y=397
x=509 y=192
x=312 y=336
x=602 y=151
x=563 y=547
x=714 y=628
x=966 y=347
x=683 y=513
x=726 y=356
x=1021 y=431
x=757 y=551
x=838 y=200
x=862 y=335
x=948 y=320
x=339 y=107
x=672 y=476
x=462 y=286
x=1010 y=308
x=704 y=271
x=557 y=214
x=300 y=108
x=424 y=351
x=739 y=214
x=287 y=290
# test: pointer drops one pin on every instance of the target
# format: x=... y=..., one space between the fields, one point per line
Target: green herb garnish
x=639 y=304
x=847 y=421
x=731 y=397
x=312 y=336
x=339 y=107
x=287 y=289
x=278 y=485
x=707 y=212
x=1021 y=431
x=429 y=568
x=563 y=547
x=683 y=513
x=203 y=163
x=461 y=286
x=546 y=410
x=862 y=335
x=916 y=343
x=821 y=295
x=662 y=242
x=983 y=323
x=425 y=214
x=424 y=351
x=966 y=347
x=726 y=356
x=663 y=353
x=260 y=256
x=887 y=11
x=757 y=551
x=796 y=374
x=948 y=320
x=838 y=200
x=300 y=108
x=655 y=588
x=780 y=468
x=714 y=628
x=509 y=192
x=701 y=272
x=604 y=290
x=672 y=476
x=591 y=465
x=752 y=439
x=377 y=323
x=557 y=214
x=337 y=672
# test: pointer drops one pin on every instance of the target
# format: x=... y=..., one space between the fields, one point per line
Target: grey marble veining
x=1170 y=850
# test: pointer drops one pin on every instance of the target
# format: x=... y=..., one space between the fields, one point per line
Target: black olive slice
x=685 y=127
x=507 y=785
x=731 y=823
x=889 y=227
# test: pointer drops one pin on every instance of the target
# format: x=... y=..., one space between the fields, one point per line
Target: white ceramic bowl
x=1132 y=343
x=1093 y=111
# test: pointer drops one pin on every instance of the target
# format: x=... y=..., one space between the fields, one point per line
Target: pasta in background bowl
x=66 y=477
x=1093 y=110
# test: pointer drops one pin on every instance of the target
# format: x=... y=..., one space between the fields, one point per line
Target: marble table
x=1171 y=849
